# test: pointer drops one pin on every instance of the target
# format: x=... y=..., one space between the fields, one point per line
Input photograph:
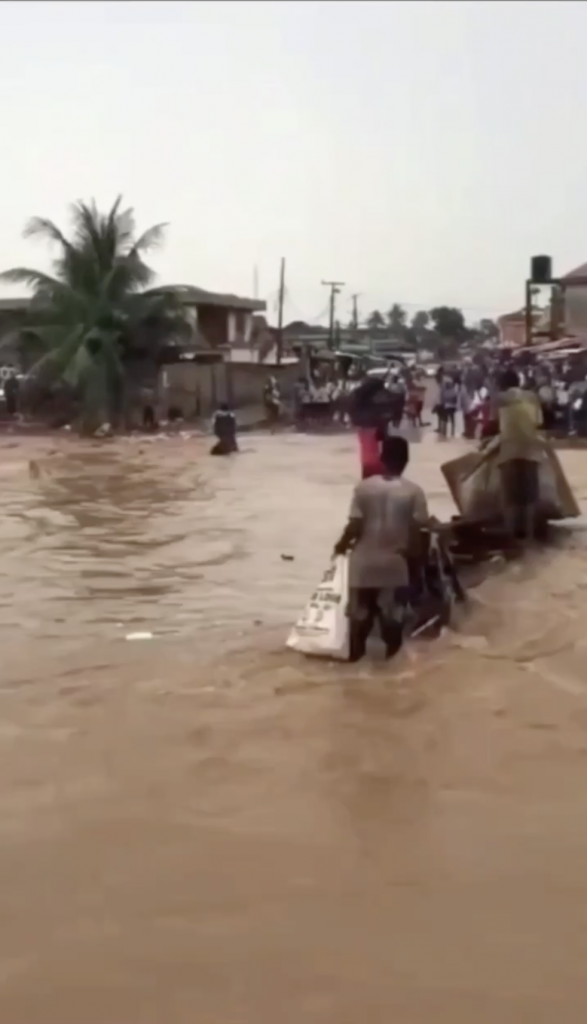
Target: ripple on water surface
x=207 y=826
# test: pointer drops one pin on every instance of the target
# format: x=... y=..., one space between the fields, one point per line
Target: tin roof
x=190 y=295
x=577 y=272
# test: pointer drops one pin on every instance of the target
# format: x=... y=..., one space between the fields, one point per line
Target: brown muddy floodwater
x=204 y=828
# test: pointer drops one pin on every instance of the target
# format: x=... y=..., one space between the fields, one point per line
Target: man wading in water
x=382 y=534
x=224 y=427
x=272 y=400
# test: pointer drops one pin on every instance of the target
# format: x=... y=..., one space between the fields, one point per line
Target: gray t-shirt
x=390 y=510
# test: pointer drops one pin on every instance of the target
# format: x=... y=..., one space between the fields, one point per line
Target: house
x=570 y=294
x=574 y=301
x=512 y=329
x=299 y=335
x=218 y=319
x=263 y=340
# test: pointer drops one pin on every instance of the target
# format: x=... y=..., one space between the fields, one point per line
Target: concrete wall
x=247 y=381
x=198 y=388
x=195 y=388
x=575 y=310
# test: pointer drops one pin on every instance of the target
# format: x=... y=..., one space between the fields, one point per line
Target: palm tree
x=88 y=318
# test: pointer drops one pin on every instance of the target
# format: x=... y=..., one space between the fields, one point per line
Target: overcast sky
x=418 y=151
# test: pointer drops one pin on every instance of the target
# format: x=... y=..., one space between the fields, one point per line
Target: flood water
x=203 y=827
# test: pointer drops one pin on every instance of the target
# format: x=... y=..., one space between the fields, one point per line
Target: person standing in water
x=520 y=454
x=397 y=399
x=224 y=427
x=367 y=409
x=383 y=534
x=449 y=402
x=11 y=393
x=272 y=400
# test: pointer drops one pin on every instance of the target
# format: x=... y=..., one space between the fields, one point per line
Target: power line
x=272 y=300
x=289 y=300
x=293 y=304
x=321 y=314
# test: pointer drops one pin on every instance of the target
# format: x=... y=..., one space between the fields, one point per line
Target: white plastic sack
x=322 y=631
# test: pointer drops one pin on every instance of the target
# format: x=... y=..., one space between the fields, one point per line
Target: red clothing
x=484 y=413
x=369 y=452
x=487 y=420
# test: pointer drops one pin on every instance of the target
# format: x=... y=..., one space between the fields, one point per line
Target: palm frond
x=170 y=299
x=120 y=227
x=45 y=336
x=138 y=274
x=152 y=238
x=100 y=234
x=52 y=299
x=85 y=221
x=47 y=230
x=56 y=361
x=126 y=277
x=154 y=304
x=33 y=279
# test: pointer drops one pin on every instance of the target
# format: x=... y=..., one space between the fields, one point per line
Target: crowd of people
x=462 y=398
x=322 y=399
x=471 y=389
x=389 y=534
x=465 y=394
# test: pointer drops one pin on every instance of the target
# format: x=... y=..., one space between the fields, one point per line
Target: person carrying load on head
x=367 y=409
x=383 y=535
x=520 y=454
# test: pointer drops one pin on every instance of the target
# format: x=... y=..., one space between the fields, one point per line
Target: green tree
x=375 y=320
x=449 y=323
x=488 y=329
x=419 y=326
x=96 y=309
x=396 y=319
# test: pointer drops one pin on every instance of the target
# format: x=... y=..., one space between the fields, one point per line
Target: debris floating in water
x=139 y=636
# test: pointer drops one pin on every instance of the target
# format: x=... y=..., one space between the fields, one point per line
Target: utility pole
x=280 y=312
x=335 y=287
x=355 y=299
